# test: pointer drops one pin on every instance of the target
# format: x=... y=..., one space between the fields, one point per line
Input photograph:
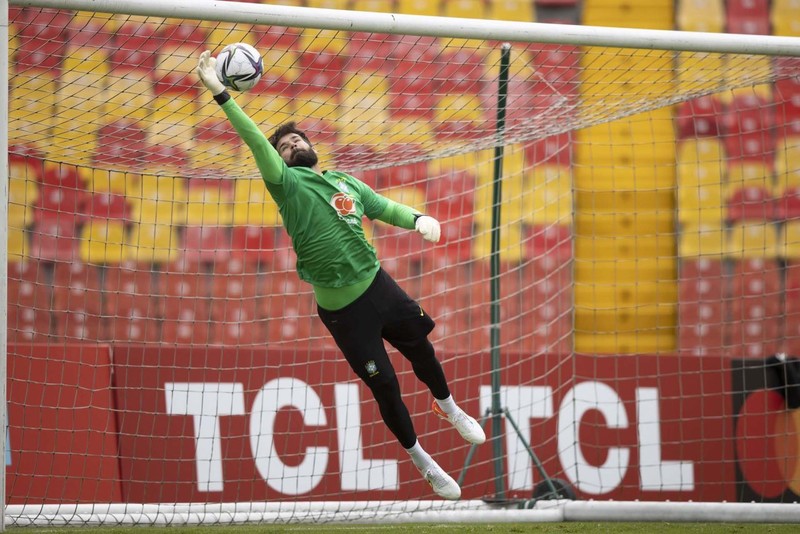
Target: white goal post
x=577 y=296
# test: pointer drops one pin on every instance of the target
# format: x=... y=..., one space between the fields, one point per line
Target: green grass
x=450 y=528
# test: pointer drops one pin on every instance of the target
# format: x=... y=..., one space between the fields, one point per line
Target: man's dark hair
x=284 y=130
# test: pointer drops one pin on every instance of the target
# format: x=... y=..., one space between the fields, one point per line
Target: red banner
x=216 y=424
x=62 y=430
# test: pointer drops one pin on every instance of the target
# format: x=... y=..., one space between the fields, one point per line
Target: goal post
x=619 y=261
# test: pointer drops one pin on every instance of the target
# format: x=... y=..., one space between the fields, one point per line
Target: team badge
x=372 y=369
x=344 y=204
x=342 y=185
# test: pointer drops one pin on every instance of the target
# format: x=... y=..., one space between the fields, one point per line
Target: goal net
x=620 y=259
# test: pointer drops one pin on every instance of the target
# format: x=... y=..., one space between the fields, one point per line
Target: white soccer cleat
x=442 y=483
x=468 y=427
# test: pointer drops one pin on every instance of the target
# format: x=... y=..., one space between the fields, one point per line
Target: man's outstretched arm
x=269 y=163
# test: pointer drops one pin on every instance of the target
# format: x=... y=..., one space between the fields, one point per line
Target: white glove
x=429 y=228
x=208 y=75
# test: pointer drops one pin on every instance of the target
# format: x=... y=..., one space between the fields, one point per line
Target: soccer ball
x=239 y=66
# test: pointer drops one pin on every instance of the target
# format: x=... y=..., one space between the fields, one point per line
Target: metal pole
x=497 y=410
x=3 y=250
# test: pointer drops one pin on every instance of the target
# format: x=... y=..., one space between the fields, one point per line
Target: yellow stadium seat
x=101 y=180
x=655 y=15
x=632 y=270
x=21 y=189
x=129 y=97
x=31 y=107
x=701 y=239
x=696 y=71
x=152 y=243
x=377 y=6
x=208 y=206
x=328 y=4
x=225 y=33
x=700 y=15
x=511 y=247
x=550 y=201
x=415 y=131
x=329 y=41
x=635 y=343
x=701 y=174
x=252 y=204
x=787 y=163
x=609 y=73
x=18 y=246
x=605 y=176
x=417 y=7
x=701 y=204
x=172 y=121
x=645 y=319
x=749 y=174
x=518 y=10
x=515 y=204
x=363 y=110
x=101 y=241
x=789 y=240
x=752 y=240
x=464 y=9
x=159 y=212
x=785 y=17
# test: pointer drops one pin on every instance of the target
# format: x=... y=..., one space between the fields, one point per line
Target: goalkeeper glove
x=428 y=227
x=206 y=72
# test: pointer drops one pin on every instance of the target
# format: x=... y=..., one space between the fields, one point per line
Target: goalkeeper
x=359 y=303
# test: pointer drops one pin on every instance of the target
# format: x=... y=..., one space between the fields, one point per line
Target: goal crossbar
x=423 y=25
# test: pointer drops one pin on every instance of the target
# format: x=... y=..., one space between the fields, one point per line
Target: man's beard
x=303 y=158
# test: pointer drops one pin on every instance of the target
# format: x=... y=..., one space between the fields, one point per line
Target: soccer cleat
x=468 y=427
x=442 y=483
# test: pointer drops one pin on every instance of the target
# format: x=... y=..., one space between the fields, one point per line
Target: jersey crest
x=344 y=204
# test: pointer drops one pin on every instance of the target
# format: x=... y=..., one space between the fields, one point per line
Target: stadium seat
x=747 y=125
x=785 y=17
x=29 y=301
x=701 y=204
x=787 y=205
x=752 y=240
x=205 y=243
x=253 y=244
x=552 y=150
x=551 y=201
x=32 y=102
x=750 y=204
x=417 y=7
x=319 y=75
x=787 y=103
x=701 y=239
x=77 y=301
x=517 y=10
x=121 y=142
x=787 y=163
x=700 y=15
x=209 y=203
x=252 y=204
x=699 y=117
x=462 y=71
x=554 y=240
x=100 y=241
x=789 y=240
x=54 y=238
x=134 y=47
x=151 y=243
x=748 y=16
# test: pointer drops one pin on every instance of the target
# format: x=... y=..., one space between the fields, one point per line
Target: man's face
x=296 y=151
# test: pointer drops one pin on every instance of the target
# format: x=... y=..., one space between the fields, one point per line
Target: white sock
x=418 y=455
x=447 y=405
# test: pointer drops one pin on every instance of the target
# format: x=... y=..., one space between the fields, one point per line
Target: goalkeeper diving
x=360 y=304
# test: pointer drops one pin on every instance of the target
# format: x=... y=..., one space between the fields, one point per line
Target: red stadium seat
x=549 y=240
x=135 y=46
x=253 y=244
x=699 y=117
x=369 y=51
x=750 y=203
x=54 y=238
x=554 y=150
x=320 y=73
x=787 y=105
x=748 y=16
x=206 y=243
x=702 y=306
x=557 y=66
x=787 y=206
x=29 y=302
x=756 y=307
x=463 y=72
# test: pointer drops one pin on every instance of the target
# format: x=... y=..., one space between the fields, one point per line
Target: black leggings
x=386 y=312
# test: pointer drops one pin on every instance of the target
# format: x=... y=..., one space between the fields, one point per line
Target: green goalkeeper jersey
x=322 y=214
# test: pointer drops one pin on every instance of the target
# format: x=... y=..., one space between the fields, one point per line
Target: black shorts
x=383 y=312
